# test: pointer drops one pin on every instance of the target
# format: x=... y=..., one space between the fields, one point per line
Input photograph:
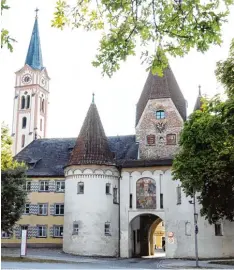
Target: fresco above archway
x=146 y=193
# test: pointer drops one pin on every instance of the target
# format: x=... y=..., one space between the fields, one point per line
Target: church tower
x=160 y=113
x=31 y=96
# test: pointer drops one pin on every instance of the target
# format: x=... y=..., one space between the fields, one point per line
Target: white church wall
x=91 y=211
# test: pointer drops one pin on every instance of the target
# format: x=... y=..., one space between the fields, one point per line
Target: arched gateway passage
x=146 y=235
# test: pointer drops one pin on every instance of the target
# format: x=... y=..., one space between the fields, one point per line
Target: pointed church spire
x=198 y=103
x=34 y=56
x=91 y=145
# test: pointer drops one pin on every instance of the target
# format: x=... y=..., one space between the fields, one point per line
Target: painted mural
x=146 y=193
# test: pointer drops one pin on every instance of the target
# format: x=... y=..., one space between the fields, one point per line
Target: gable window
x=27 y=208
x=58 y=231
x=80 y=188
x=28 y=101
x=22 y=140
x=160 y=114
x=218 y=229
x=60 y=186
x=107 y=228
x=24 y=122
x=108 y=187
x=44 y=186
x=178 y=193
x=75 y=228
x=41 y=231
x=150 y=139
x=115 y=195
x=28 y=186
x=171 y=139
x=42 y=209
x=59 y=209
x=22 y=102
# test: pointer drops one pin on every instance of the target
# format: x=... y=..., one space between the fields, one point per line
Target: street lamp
x=195 y=214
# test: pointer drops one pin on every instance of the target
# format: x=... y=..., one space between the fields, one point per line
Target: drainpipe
x=120 y=170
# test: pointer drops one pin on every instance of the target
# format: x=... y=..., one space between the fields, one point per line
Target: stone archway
x=141 y=229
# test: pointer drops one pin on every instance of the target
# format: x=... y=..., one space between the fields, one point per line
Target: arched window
x=43 y=105
x=22 y=140
x=24 y=122
x=160 y=114
x=146 y=193
x=40 y=124
x=28 y=102
x=171 y=139
x=22 y=102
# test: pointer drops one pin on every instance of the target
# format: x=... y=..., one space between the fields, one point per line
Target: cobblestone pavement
x=120 y=263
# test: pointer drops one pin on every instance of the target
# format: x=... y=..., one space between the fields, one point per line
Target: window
x=108 y=186
x=40 y=124
x=41 y=231
x=22 y=102
x=160 y=114
x=28 y=186
x=80 y=188
x=60 y=186
x=107 y=228
x=6 y=235
x=44 y=186
x=75 y=228
x=28 y=101
x=115 y=195
x=42 y=209
x=218 y=229
x=23 y=227
x=130 y=201
x=59 y=209
x=171 y=139
x=162 y=224
x=150 y=139
x=178 y=190
x=24 y=122
x=22 y=140
x=43 y=105
x=27 y=208
x=58 y=231
x=188 y=228
x=161 y=201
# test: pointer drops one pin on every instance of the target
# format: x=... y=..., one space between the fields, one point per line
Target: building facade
x=106 y=196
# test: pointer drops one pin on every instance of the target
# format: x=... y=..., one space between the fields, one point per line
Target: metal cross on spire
x=93 y=98
x=199 y=90
x=36 y=10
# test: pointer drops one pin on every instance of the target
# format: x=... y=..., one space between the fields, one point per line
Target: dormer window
x=160 y=114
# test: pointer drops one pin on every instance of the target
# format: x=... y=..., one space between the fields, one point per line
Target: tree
x=160 y=27
x=205 y=162
x=13 y=182
x=6 y=40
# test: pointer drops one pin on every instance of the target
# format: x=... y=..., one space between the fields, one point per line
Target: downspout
x=120 y=170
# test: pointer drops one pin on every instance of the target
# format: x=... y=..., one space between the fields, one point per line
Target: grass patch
x=27 y=259
x=223 y=262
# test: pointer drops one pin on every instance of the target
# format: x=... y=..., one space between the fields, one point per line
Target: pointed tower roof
x=92 y=144
x=161 y=87
x=34 y=55
x=198 y=103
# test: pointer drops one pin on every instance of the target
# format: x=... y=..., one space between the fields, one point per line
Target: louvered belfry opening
x=92 y=144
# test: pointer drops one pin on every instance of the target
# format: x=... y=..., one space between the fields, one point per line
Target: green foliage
x=6 y=40
x=205 y=162
x=160 y=27
x=12 y=184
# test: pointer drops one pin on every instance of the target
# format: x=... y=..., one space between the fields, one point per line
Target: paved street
x=81 y=262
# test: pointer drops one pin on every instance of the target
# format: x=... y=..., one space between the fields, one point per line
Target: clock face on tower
x=43 y=81
x=27 y=78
